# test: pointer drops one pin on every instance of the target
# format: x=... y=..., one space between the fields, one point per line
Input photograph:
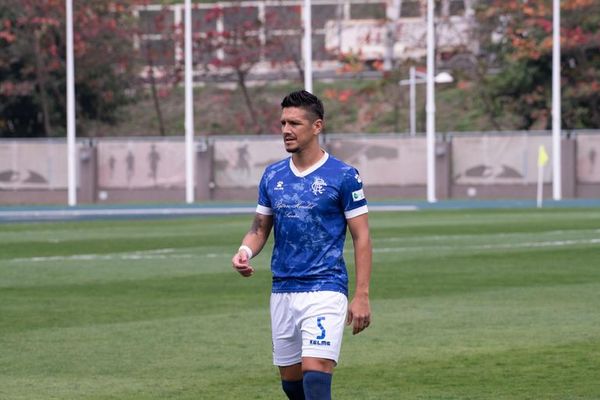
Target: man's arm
x=252 y=243
x=359 y=311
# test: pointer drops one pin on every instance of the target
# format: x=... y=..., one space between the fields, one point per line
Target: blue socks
x=293 y=389
x=317 y=385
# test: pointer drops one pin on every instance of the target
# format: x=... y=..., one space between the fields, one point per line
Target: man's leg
x=291 y=381
x=317 y=374
x=287 y=346
x=322 y=332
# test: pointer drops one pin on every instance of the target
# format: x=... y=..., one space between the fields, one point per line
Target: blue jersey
x=309 y=211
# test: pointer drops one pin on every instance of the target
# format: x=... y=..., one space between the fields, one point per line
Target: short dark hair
x=305 y=100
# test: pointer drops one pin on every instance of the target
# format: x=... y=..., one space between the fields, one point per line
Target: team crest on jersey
x=318 y=186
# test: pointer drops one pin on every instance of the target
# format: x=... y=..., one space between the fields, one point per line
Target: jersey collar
x=310 y=170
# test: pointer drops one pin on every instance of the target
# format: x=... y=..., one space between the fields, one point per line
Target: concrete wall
x=212 y=171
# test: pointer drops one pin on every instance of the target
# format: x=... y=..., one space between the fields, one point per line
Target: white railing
x=334 y=22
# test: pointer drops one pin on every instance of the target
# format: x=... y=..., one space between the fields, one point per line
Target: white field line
x=49 y=215
x=159 y=254
x=487 y=236
x=502 y=246
x=59 y=214
x=164 y=254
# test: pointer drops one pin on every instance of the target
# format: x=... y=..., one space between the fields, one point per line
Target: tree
x=162 y=71
x=32 y=64
x=245 y=41
x=234 y=50
x=519 y=37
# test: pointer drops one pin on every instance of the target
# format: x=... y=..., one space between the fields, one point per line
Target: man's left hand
x=359 y=314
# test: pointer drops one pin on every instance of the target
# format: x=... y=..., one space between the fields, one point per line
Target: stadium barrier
x=150 y=169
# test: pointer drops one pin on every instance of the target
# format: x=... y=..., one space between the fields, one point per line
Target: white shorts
x=307 y=324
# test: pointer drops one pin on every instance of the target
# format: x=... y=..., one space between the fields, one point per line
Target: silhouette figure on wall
x=153 y=159
x=130 y=162
x=111 y=165
x=243 y=160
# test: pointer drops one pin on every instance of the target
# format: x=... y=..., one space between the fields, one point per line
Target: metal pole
x=392 y=12
x=556 y=109
x=71 y=150
x=307 y=46
x=540 y=187
x=430 y=107
x=413 y=98
x=189 y=107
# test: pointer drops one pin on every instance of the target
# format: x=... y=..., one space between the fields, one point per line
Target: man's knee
x=317 y=364
x=291 y=372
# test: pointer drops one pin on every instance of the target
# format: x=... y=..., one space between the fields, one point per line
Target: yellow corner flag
x=542 y=156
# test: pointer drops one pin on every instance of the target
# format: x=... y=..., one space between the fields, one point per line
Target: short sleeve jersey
x=310 y=209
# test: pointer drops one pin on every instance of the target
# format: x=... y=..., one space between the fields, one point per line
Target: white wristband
x=247 y=249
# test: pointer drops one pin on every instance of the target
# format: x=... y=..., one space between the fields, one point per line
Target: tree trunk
x=299 y=68
x=40 y=79
x=241 y=75
x=481 y=71
x=155 y=100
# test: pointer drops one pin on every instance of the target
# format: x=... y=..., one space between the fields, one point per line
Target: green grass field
x=467 y=305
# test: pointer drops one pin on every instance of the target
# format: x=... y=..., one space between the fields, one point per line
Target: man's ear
x=318 y=126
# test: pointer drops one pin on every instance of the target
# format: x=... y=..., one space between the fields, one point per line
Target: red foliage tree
x=523 y=44
x=245 y=41
x=32 y=63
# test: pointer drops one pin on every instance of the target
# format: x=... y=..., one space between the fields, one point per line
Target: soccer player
x=310 y=199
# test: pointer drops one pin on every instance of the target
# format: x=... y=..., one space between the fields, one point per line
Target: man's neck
x=307 y=158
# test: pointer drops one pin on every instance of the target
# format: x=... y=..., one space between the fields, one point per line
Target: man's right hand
x=241 y=263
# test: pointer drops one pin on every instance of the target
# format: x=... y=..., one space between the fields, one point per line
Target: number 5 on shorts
x=322 y=335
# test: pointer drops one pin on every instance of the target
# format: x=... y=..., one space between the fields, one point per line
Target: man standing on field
x=310 y=199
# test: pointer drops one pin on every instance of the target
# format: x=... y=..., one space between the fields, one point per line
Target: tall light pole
x=307 y=46
x=430 y=106
x=71 y=150
x=189 y=106
x=556 y=109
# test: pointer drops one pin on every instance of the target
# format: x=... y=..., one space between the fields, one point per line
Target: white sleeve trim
x=264 y=210
x=356 y=212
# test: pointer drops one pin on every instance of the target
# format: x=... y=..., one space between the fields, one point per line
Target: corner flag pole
x=307 y=46
x=542 y=161
x=556 y=109
x=430 y=106
x=71 y=150
x=189 y=107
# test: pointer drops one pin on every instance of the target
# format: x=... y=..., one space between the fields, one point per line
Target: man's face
x=298 y=129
